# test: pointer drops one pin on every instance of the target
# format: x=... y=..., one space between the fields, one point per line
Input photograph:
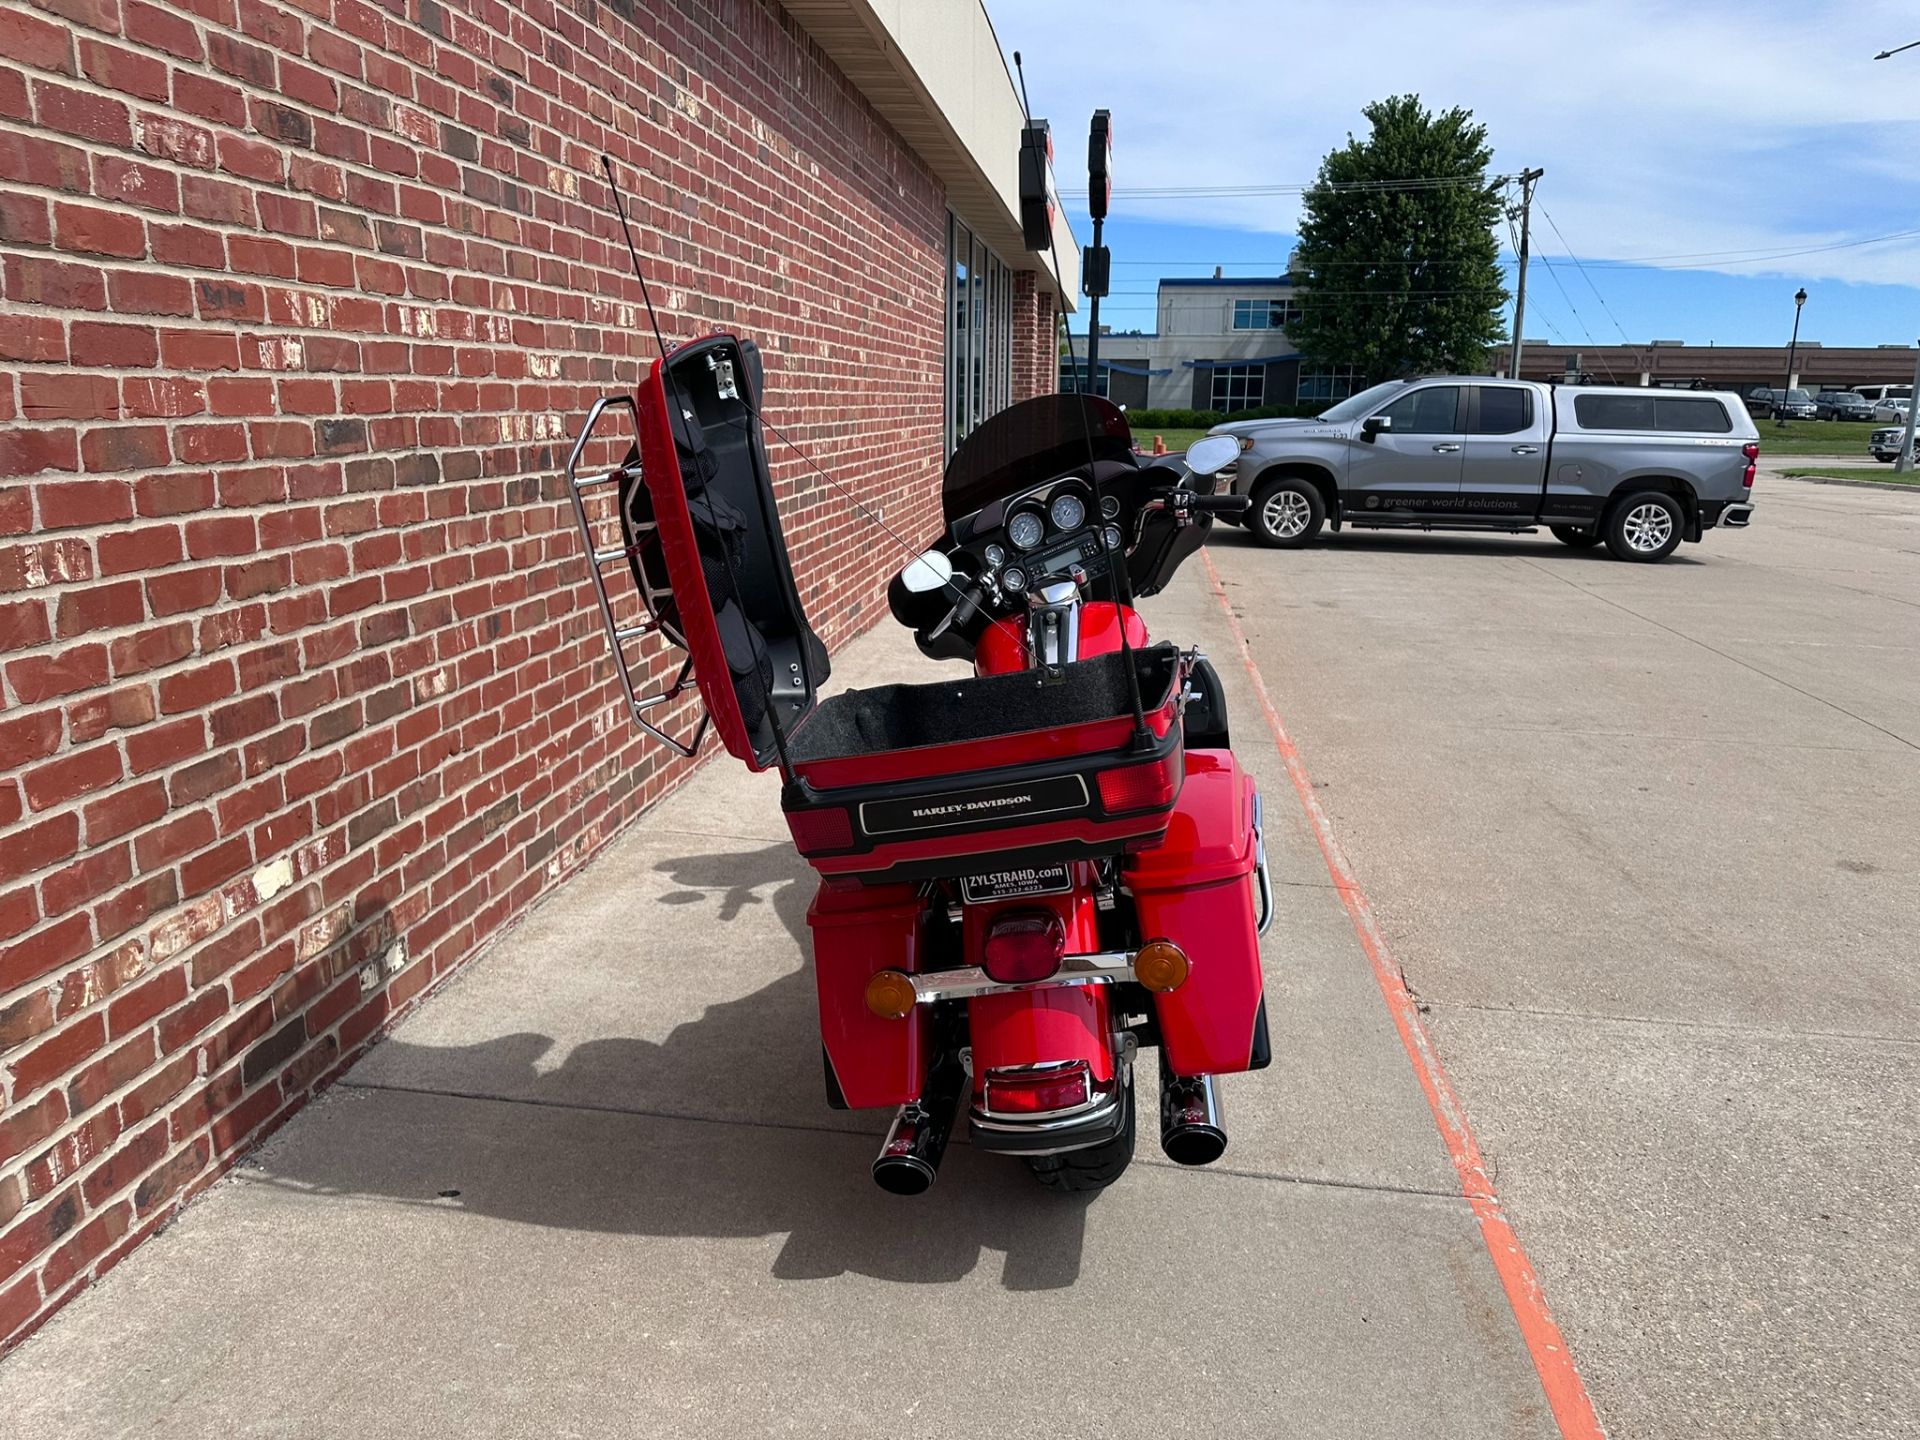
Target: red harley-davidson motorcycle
x=1027 y=875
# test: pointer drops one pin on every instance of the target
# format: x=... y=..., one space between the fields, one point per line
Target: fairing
x=1030 y=443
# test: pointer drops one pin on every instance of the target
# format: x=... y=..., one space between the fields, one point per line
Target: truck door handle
x=1526 y=449
x=1445 y=448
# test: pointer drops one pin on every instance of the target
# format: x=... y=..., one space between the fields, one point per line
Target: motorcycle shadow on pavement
x=718 y=1132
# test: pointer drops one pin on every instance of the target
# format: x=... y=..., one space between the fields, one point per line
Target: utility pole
x=1528 y=179
x=1904 y=465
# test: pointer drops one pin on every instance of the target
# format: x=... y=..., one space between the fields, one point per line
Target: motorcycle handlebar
x=963 y=611
x=1187 y=500
x=1232 y=505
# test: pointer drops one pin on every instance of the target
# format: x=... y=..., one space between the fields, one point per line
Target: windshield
x=1030 y=443
x=1354 y=406
x=1798 y=397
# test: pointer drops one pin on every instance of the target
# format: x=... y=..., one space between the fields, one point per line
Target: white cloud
x=1665 y=128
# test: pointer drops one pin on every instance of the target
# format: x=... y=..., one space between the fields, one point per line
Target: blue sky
x=1686 y=146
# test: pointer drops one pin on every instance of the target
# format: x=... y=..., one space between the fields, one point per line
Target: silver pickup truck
x=1641 y=469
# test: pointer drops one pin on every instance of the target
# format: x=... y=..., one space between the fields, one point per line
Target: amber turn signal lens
x=890 y=995
x=1160 y=965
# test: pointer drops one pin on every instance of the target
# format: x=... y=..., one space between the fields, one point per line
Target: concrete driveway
x=1646 y=840
x=592 y=1188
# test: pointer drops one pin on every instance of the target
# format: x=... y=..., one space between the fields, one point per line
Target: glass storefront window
x=979 y=332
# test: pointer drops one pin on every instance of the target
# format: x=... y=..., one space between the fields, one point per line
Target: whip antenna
x=726 y=554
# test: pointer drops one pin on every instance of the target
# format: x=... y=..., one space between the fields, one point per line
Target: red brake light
x=1137 y=787
x=1024 y=946
x=1039 y=1092
x=1751 y=450
x=816 y=830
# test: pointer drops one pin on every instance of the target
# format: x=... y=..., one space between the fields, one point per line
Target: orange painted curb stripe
x=1566 y=1395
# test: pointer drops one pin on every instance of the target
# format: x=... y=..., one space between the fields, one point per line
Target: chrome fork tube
x=1053 y=623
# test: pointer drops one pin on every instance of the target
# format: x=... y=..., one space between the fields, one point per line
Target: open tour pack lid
x=708 y=490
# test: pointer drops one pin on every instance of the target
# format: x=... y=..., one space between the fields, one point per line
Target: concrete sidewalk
x=593 y=1188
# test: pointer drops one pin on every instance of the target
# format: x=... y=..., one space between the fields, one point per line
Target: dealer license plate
x=1012 y=884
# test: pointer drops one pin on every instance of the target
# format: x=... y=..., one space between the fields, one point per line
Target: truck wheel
x=1287 y=512
x=1576 y=537
x=1079 y=1171
x=1645 y=526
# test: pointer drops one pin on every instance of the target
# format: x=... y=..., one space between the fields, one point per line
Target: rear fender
x=1071 y=1022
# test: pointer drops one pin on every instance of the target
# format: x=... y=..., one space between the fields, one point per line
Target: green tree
x=1400 y=264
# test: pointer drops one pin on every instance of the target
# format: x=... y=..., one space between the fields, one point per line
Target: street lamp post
x=1799 y=299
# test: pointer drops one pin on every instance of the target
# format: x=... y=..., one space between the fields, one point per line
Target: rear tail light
x=1024 y=946
x=1137 y=787
x=1039 y=1092
x=1752 y=452
x=815 y=830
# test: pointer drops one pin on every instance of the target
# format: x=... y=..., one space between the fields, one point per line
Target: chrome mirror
x=1211 y=454
x=929 y=572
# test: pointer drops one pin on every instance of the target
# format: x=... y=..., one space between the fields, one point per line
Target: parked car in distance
x=1884 y=445
x=1878 y=396
x=1841 y=405
x=1640 y=469
x=1768 y=403
x=1892 y=410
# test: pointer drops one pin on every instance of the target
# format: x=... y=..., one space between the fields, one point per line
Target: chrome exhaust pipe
x=1192 y=1130
x=909 y=1159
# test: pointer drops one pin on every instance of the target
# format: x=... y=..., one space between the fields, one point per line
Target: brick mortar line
x=804 y=184
x=162 y=773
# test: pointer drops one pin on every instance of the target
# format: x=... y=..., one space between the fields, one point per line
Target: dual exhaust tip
x=1192 y=1131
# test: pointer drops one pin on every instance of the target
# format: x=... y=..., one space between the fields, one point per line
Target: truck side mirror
x=1373 y=425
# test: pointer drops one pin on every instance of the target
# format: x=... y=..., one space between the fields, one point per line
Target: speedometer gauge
x=1026 y=530
x=1069 y=512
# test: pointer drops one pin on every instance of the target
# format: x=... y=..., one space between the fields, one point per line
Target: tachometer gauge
x=1115 y=542
x=1026 y=530
x=1014 y=578
x=1110 y=506
x=995 y=555
x=1069 y=512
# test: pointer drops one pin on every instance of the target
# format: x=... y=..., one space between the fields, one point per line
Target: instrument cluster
x=1050 y=533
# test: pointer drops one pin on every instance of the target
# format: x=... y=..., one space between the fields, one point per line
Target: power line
x=1709 y=258
x=1417 y=182
x=1555 y=226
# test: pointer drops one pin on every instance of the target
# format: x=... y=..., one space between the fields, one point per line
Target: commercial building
x=1219 y=343
x=1719 y=367
x=304 y=694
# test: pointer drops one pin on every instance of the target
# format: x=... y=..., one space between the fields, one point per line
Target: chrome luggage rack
x=635 y=522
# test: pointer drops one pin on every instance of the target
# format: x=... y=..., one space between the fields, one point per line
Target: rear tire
x=1081 y=1172
x=1645 y=526
x=1287 y=512
x=1576 y=537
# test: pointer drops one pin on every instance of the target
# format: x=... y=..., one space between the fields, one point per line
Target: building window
x=1326 y=382
x=1073 y=374
x=979 y=332
x=1264 y=314
x=1239 y=387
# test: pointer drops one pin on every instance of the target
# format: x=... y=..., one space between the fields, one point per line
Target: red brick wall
x=1036 y=342
x=301 y=695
